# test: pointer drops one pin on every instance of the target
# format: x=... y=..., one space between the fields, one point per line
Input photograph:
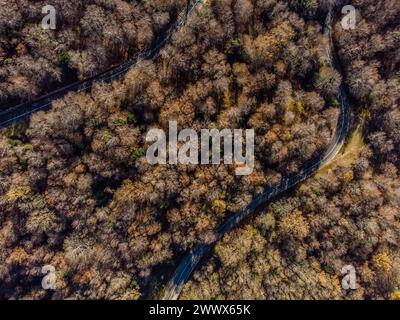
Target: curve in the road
x=22 y=111
x=190 y=261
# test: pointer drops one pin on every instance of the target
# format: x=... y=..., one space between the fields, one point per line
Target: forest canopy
x=77 y=193
x=90 y=36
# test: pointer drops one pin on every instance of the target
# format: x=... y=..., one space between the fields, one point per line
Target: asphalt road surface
x=190 y=261
x=11 y=115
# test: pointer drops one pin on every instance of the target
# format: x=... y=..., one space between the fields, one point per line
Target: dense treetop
x=76 y=190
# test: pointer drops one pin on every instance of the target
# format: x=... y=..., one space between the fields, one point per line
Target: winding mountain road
x=190 y=261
